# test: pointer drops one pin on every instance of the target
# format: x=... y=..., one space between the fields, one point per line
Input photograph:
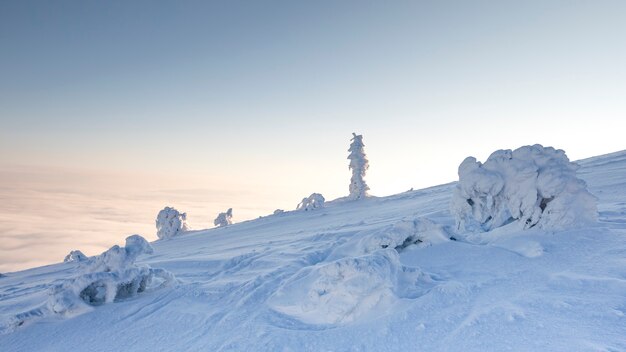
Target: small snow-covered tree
x=224 y=219
x=530 y=186
x=311 y=202
x=171 y=223
x=359 y=165
x=75 y=256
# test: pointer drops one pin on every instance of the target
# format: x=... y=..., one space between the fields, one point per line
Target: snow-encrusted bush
x=278 y=212
x=110 y=276
x=224 y=219
x=532 y=185
x=359 y=165
x=75 y=256
x=170 y=223
x=314 y=201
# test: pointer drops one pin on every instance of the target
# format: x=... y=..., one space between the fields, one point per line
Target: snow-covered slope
x=380 y=274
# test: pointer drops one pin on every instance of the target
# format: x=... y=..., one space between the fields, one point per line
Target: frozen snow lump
x=530 y=186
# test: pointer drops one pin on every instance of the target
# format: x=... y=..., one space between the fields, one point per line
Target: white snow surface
x=382 y=274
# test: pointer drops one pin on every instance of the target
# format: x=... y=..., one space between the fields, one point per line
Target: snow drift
x=350 y=288
x=531 y=186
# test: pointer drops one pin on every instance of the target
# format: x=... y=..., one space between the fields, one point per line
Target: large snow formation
x=224 y=219
x=359 y=165
x=531 y=186
x=170 y=223
x=314 y=201
x=110 y=276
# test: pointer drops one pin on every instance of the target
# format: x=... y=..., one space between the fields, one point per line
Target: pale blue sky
x=126 y=84
x=264 y=95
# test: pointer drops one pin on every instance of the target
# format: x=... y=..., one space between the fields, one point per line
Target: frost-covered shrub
x=359 y=165
x=110 y=276
x=170 y=223
x=278 y=211
x=311 y=202
x=75 y=256
x=224 y=219
x=532 y=185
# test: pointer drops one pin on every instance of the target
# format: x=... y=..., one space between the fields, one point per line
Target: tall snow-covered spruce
x=359 y=166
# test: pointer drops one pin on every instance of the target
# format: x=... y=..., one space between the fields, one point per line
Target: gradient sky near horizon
x=111 y=110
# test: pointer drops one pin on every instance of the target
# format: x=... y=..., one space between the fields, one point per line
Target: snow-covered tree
x=530 y=186
x=311 y=202
x=75 y=256
x=170 y=223
x=224 y=219
x=359 y=166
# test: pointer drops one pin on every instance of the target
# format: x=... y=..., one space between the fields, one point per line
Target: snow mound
x=106 y=278
x=530 y=186
x=171 y=223
x=419 y=231
x=350 y=288
x=311 y=202
x=75 y=256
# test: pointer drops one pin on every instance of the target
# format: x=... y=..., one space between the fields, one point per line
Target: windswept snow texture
x=314 y=201
x=530 y=186
x=171 y=223
x=382 y=274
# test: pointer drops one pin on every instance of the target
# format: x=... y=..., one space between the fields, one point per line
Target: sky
x=111 y=110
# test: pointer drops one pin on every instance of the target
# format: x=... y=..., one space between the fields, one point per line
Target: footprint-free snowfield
x=377 y=274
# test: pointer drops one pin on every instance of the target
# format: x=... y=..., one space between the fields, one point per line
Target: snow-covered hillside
x=379 y=274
